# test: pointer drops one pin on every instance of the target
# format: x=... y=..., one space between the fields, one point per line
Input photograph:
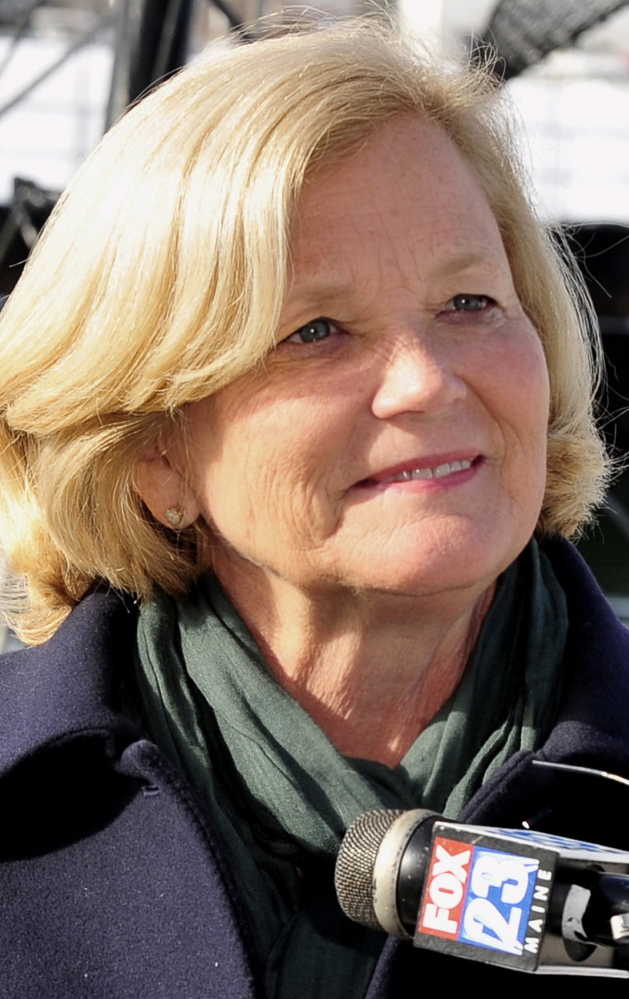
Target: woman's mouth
x=447 y=468
x=440 y=470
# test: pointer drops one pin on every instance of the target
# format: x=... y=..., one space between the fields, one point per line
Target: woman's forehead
x=408 y=190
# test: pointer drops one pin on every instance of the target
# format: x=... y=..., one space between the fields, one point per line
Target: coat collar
x=66 y=687
x=591 y=731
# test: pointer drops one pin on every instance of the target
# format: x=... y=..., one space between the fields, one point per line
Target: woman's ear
x=163 y=490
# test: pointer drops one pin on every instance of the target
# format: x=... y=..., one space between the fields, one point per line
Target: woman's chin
x=417 y=565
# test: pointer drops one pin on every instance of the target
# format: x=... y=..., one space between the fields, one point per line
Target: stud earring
x=173 y=515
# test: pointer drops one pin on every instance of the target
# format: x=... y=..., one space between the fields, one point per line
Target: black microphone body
x=529 y=901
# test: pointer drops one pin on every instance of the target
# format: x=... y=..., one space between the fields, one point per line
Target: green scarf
x=282 y=795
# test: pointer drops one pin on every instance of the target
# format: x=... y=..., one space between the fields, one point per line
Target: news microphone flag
x=485 y=901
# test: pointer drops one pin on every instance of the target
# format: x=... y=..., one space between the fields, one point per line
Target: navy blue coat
x=113 y=885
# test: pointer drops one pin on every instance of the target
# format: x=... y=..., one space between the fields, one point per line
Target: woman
x=290 y=384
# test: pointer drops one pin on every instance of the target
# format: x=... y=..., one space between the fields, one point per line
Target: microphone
x=513 y=897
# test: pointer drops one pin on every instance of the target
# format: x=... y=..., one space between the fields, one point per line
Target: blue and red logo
x=484 y=897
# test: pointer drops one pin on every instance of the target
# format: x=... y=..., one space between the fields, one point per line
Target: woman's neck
x=372 y=669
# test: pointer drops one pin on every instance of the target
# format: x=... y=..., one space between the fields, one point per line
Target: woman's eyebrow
x=470 y=259
x=312 y=292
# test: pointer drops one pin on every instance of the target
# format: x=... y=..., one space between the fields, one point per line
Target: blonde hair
x=162 y=273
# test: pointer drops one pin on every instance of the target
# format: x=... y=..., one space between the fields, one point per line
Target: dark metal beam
x=521 y=33
x=151 y=44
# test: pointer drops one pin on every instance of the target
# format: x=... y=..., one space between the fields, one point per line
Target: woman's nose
x=415 y=378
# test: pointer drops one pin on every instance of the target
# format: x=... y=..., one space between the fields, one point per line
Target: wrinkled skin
x=383 y=244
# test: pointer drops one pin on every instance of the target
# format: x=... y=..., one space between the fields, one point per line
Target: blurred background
x=68 y=69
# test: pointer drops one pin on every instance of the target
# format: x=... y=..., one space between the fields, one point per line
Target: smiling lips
x=439 y=471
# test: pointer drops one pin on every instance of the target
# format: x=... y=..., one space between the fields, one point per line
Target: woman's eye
x=312 y=332
x=468 y=303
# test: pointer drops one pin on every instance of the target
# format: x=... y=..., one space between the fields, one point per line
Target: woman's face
x=395 y=441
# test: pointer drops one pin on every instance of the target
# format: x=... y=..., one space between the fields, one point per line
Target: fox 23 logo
x=484 y=897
